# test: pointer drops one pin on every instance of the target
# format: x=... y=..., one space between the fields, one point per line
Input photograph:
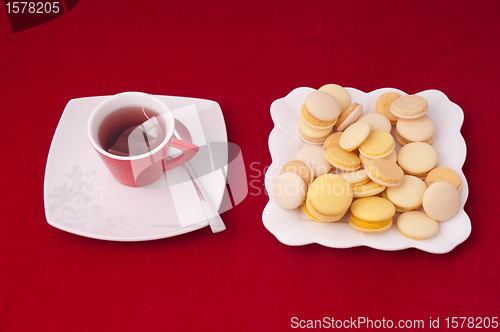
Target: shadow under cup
x=112 y=117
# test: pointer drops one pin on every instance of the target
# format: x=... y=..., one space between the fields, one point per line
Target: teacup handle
x=188 y=151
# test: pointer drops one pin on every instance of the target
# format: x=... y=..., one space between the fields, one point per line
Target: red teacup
x=146 y=168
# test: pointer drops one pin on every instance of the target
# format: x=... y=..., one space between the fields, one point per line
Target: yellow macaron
x=443 y=174
x=329 y=197
x=378 y=144
x=343 y=160
x=367 y=189
x=371 y=214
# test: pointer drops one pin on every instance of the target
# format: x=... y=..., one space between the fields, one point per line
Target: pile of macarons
x=350 y=164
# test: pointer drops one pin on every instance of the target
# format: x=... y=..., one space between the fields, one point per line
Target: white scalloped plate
x=293 y=227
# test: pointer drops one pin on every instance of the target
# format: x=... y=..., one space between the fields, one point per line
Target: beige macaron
x=443 y=174
x=348 y=117
x=315 y=157
x=407 y=196
x=441 y=201
x=332 y=140
x=300 y=167
x=320 y=110
x=377 y=121
x=393 y=156
x=312 y=135
x=415 y=130
x=383 y=105
x=339 y=93
x=289 y=190
x=385 y=172
x=418 y=159
x=354 y=135
x=368 y=189
x=409 y=107
x=416 y=225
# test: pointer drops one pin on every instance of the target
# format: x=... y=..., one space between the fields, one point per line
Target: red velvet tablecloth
x=244 y=55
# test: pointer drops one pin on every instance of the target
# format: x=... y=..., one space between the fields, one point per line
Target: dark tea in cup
x=123 y=133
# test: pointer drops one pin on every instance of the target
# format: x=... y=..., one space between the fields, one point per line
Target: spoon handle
x=211 y=213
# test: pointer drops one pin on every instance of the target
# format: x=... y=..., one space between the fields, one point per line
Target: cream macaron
x=354 y=135
x=289 y=190
x=415 y=130
x=355 y=178
x=385 y=172
x=348 y=117
x=418 y=159
x=315 y=157
x=301 y=168
x=409 y=107
x=320 y=110
x=416 y=225
x=312 y=135
x=393 y=156
x=377 y=121
x=441 y=201
x=339 y=93
x=407 y=196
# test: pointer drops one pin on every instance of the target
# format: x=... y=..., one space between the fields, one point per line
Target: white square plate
x=293 y=227
x=83 y=198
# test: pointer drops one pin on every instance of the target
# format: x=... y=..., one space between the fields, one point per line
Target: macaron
x=368 y=189
x=339 y=93
x=315 y=157
x=407 y=196
x=376 y=121
x=342 y=159
x=329 y=197
x=385 y=172
x=301 y=168
x=312 y=135
x=446 y=174
x=289 y=190
x=355 y=178
x=393 y=156
x=418 y=159
x=383 y=105
x=307 y=213
x=441 y=201
x=371 y=214
x=348 y=117
x=416 y=225
x=332 y=140
x=320 y=110
x=409 y=107
x=415 y=130
x=378 y=144
x=354 y=135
